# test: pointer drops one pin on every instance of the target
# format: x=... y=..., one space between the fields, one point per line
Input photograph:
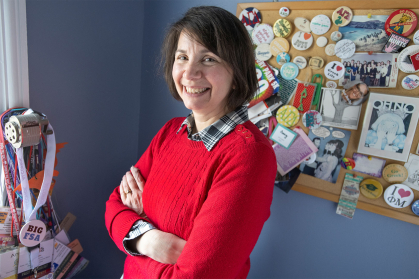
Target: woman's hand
x=161 y=246
x=131 y=190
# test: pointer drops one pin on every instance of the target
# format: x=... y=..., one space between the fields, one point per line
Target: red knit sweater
x=216 y=200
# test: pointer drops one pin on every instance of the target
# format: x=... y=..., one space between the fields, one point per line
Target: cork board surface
x=311 y=185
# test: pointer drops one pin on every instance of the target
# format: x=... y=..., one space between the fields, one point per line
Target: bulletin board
x=309 y=9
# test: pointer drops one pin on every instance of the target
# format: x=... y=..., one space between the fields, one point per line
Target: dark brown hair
x=224 y=35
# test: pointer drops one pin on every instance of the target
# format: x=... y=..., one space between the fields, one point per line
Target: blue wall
x=93 y=69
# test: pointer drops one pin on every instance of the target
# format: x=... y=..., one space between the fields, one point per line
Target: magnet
x=263 y=52
x=334 y=70
x=371 y=188
x=32 y=233
x=284 y=12
x=287 y=116
x=300 y=61
x=279 y=45
x=330 y=50
x=321 y=41
x=302 y=40
x=263 y=34
x=302 y=24
x=331 y=84
x=403 y=61
x=342 y=16
x=312 y=119
x=395 y=43
x=398 y=196
x=336 y=36
x=283 y=58
x=416 y=38
x=395 y=173
x=289 y=71
x=402 y=22
x=415 y=207
x=250 y=17
x=316 y=62
x=347 y=163
x=345 y=49
x=282 y=28
x=410 y=82
x=320 y=24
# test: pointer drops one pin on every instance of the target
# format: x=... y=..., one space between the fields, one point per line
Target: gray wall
x=93 y=71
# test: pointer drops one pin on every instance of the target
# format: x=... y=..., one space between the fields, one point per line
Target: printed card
x=368 y=165
x=349 y=196
x=283 y=136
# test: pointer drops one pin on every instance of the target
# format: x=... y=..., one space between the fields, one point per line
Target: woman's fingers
x=138 y=178
x=125 y=185
x=132 y=184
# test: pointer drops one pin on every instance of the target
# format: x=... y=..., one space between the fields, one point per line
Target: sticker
x=345 y=49
x=395 y=173
x=316 y=62
x=287 y=116
x=300 y=61
x=263 y=34
x=320 y=24
x=410 y=82
x=331 y=84
x=347 y=163
x=32 y=233
x=302 y=40
x=263 y=52
x=336 y=36
x=330 y=50
x=311 y=159
x=284 y=12
x=304 y=97
x=342 y=16
x=398 y=196
x=415 y=61
x=402 y=22
x=283 y=136
x=268 y=83
x=371 y=188
x=349 y=196
x=321 y=41
x=395 y=44
x=415 y=207
x=283 y=58
x=289 y=71
x=334 y=70
x=282 y=28
x=403 y=61
x=416 y=38
x=302 y=24
x=250 y=17
x=279 y=45
x=312 y=119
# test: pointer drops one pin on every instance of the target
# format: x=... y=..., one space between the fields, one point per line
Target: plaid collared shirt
x=216 y=131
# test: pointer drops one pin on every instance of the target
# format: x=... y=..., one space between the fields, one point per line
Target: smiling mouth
x=195 y=90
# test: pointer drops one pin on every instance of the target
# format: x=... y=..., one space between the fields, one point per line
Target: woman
x=327 y=164
x=196 y=201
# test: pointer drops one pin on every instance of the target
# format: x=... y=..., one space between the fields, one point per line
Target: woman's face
x=202 y=79
x=330 y=147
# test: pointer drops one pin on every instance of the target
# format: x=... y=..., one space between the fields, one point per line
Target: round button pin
x=250 y=17
x=402 y=22
x=371 y=188
x=330 y=50
x=282 y=28
x=398 y=196
x=320 y=24
x=289 y=71
x=336 y=36
x=415 y=207
x=321 y=41
x=342 y=16
x=32 y=233
x=287 y=116
x=302 y=24
x=316 y=62
x=263 y=52
x=312 y=119
x=263 y=34
x=345 y=49
x=347 y=163
x=284 y=12
x=404 y=62
x=311 y=159
x=410 y=82
x=395 y=173
x=302 y=40
x=283 y=58
x=334 y=70
x=300 y=61
x=416 y=38
x=331 y=84
x=279 y=45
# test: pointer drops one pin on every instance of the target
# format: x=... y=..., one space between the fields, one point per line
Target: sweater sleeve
x=230 y=221
x=119 y=218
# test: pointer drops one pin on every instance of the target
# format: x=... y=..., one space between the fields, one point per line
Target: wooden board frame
x=320 y=188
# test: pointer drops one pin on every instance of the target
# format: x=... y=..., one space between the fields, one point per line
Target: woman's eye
x=181 y=57
x=209 y=59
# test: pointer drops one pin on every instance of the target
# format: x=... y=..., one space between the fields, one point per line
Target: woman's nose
x=192 y=71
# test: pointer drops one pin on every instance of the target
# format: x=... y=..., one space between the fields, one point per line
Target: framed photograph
x=389 y=126
x=412 y=167
x=336 y=112
x=283 y=136
x=378 y=70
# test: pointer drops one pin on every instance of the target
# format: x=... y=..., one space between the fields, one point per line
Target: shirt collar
x=216 y=131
